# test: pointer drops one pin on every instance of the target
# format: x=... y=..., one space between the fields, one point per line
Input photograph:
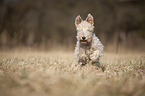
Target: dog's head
x=84 y=29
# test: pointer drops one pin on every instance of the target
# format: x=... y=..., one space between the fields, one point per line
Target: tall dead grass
x=56 y=74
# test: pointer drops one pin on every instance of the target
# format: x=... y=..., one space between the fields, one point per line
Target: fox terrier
x=88 y=48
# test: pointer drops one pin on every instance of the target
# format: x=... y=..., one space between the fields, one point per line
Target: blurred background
x=47 y=24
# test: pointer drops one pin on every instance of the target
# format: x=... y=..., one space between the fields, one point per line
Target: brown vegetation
x=56 y=74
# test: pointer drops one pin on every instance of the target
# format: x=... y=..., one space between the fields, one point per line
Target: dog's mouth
x=84 y=41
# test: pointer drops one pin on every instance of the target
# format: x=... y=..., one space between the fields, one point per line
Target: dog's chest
x=86 y=51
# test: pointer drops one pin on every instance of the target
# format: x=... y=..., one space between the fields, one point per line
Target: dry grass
x=56 y=74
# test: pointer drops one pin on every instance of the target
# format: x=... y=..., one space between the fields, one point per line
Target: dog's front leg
x=95 y=58
x=83 y=60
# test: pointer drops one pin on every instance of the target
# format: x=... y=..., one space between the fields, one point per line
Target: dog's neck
x=86 y=46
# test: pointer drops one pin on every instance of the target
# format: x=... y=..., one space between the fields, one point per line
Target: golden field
x=44 y=73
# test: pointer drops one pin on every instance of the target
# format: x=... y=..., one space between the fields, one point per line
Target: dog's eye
x=89 y=30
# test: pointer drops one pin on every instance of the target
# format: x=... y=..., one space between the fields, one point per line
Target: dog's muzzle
x=84 y=41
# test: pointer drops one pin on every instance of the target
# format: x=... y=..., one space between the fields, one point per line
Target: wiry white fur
x=92 y=51
x=95 y=51
x=85 y=26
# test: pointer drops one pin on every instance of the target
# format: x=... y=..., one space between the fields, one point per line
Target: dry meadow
x=44 y=73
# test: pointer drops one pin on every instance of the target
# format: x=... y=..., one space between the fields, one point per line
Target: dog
x=88 y=49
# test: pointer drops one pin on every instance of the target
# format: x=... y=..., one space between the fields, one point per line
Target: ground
x=26 y=73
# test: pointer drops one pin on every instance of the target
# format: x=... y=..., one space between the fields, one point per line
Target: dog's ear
x=90 y=19
x=78 y=20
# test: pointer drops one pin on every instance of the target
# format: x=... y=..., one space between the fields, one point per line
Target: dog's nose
x=83 y=38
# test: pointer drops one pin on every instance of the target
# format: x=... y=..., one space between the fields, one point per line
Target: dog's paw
x=82 y=63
